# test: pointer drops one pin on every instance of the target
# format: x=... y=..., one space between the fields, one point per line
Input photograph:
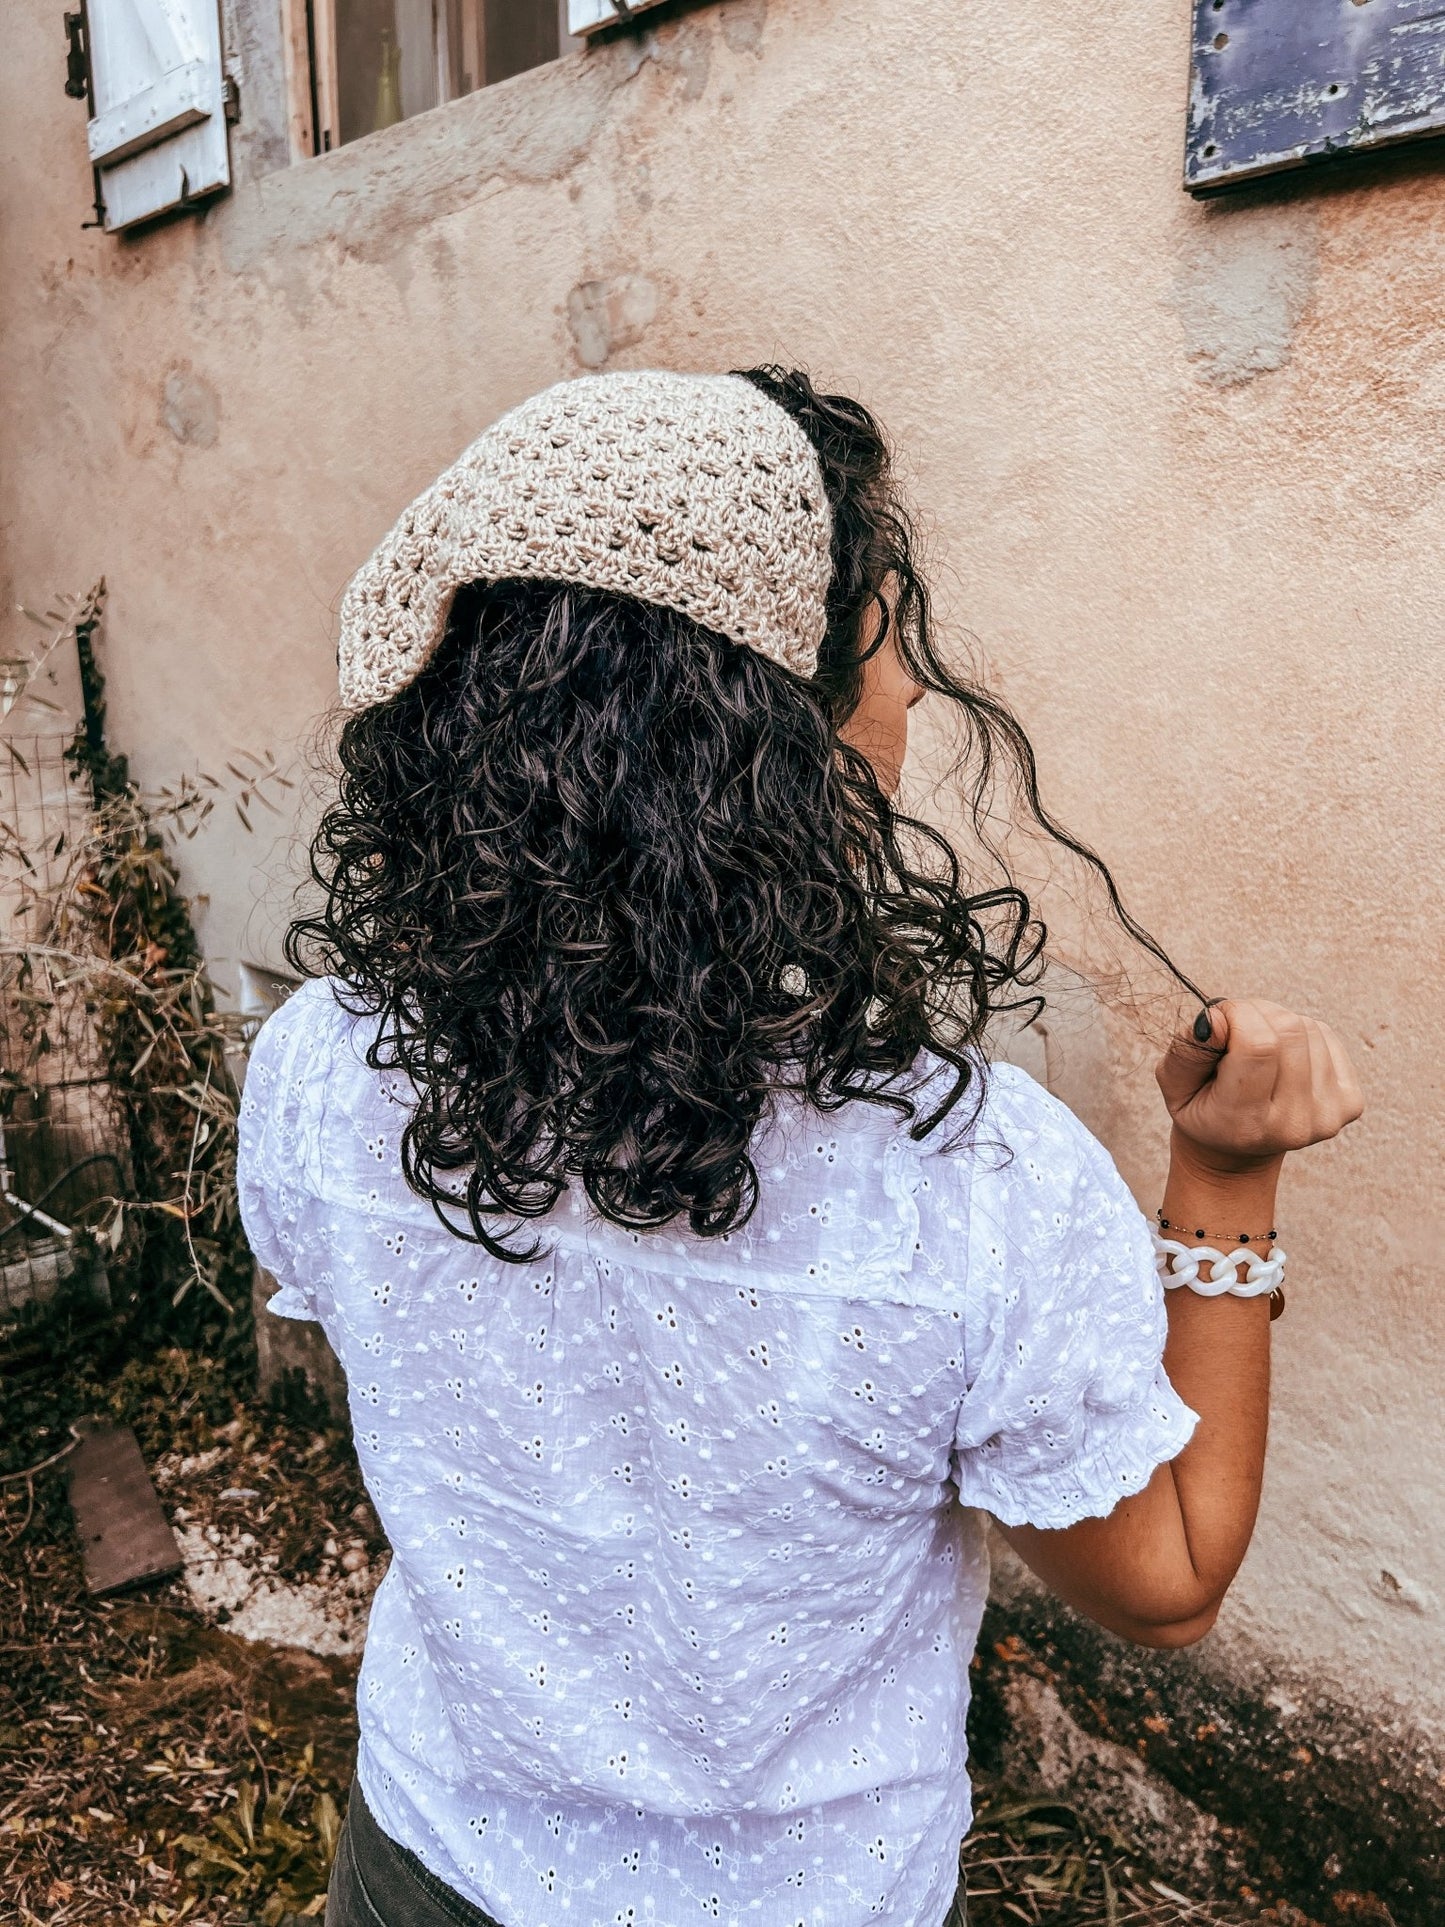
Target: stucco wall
x=1182 y=467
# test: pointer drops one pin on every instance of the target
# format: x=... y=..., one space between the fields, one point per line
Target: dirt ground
x=184 y=1754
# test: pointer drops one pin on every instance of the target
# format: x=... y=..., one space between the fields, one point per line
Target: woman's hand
x=1266 y=1082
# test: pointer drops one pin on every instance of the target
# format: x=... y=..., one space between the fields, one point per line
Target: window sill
x=371 y=196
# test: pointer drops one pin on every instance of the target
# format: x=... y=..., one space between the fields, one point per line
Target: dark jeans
x=377 y=1883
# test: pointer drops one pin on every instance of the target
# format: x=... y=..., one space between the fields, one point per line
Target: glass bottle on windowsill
x=388 y=82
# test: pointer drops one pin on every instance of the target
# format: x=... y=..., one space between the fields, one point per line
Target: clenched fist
x=1268 y=1081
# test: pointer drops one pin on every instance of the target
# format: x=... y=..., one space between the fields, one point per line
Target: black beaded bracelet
x=1234 y=1237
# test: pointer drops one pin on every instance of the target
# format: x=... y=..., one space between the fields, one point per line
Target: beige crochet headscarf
x=693 y=491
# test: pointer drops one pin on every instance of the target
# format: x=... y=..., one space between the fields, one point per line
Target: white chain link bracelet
x=1213 y=1273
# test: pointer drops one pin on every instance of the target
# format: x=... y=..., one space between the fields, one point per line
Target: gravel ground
x=185 y=1754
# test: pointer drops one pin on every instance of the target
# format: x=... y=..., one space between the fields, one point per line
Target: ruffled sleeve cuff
x=291 y=1302
x=1118 y=1454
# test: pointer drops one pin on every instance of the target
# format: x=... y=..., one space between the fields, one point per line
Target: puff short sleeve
x=277 y=1141
x=1067 y=1408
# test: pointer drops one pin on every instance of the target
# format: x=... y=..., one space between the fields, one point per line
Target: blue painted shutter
x=1281 y=83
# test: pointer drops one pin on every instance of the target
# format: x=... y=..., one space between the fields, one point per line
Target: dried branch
x=102 y=938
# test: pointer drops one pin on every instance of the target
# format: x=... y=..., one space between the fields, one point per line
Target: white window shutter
x=586 y=16
x=159 y=132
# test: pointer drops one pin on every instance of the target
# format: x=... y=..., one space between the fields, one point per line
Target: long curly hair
x=610 y=881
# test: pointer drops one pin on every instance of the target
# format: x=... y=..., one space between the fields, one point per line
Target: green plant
x=274 y=1852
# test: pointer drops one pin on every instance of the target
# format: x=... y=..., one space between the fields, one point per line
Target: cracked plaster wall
x=1180 y=468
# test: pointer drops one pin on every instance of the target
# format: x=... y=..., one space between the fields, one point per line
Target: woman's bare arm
x=1158 y=1567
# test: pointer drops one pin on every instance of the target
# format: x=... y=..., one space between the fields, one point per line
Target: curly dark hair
x=609 y=881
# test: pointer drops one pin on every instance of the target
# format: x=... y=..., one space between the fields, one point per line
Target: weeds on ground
x=154 y=1767
x=1037 y=1862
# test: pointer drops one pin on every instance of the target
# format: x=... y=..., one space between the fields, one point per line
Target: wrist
x=1228 y=1195
x=1207 y=1165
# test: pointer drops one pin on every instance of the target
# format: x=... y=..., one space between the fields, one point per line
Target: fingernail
x=1203 y=1027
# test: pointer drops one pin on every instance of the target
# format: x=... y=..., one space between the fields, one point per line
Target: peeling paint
x=190 y=408
x=1398 y=1589
x=607 y=315
x=368 y=200
x=742 y=23
x=1241 y=288
x=685 y=51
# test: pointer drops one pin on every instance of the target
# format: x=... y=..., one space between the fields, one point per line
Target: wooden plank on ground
x=125 y=1538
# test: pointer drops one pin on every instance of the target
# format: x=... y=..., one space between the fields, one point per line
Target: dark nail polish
x=1203 y=1027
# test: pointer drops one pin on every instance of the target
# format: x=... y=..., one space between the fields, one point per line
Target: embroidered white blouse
x=688 y=1557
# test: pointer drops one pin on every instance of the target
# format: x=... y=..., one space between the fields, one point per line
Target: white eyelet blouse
x=687 y=1564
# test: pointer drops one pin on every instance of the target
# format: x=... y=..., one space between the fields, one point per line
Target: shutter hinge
x=231 y=99
x=76 y=82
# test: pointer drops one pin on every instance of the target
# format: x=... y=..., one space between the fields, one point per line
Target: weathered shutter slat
x=178 y=99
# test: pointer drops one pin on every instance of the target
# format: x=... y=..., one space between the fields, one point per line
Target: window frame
x=313 y=76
